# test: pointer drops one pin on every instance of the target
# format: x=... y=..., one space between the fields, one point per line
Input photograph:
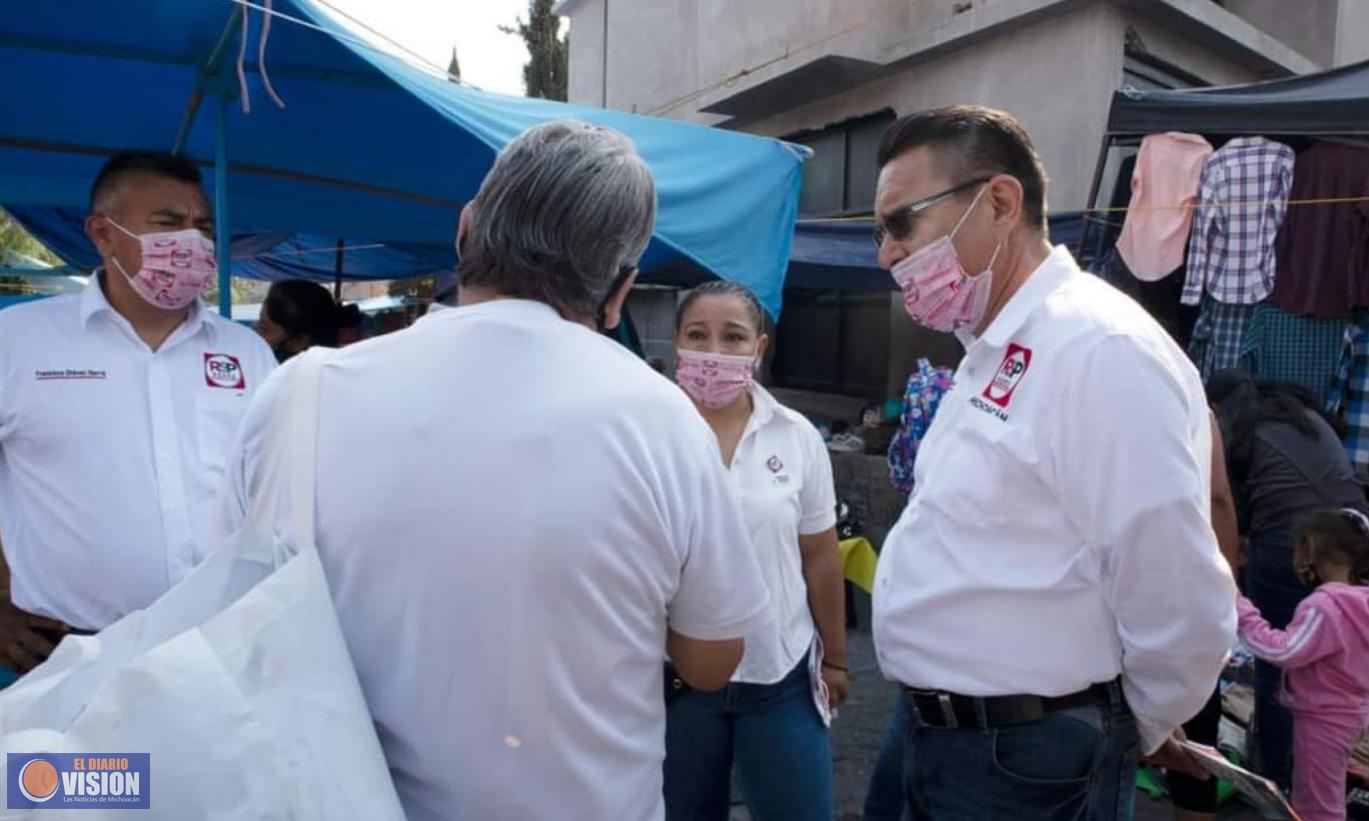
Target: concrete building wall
x=1057 y=76
x=653 y=52
x=1306 y=26
x=1177 y=48
x=587 y=52
x=1352 y=32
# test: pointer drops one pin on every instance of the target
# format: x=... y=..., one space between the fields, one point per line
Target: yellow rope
x=1182 y=206
x=1227 y=204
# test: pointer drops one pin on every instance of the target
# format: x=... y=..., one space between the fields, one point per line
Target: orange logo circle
x=38 y=780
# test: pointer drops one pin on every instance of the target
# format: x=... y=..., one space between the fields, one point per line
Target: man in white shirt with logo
x=511 y=647
x=117 y=409
x=1053 y=592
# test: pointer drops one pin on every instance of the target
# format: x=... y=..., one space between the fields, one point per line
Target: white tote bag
x=237 y=681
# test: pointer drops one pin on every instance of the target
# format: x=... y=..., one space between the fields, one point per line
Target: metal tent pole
x=337 y=273
x=209 y=70
x=1104 y=149
x=222 y=235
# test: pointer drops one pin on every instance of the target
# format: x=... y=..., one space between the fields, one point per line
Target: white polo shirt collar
x=763 y=407
x=94 y=302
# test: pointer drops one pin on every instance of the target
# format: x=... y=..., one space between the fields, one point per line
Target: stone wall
x=863 y=483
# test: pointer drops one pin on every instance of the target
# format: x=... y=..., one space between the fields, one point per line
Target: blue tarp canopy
x=270 y=256
x=369 y=147
x=825 y=255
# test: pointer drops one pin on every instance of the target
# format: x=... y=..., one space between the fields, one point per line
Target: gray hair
x=566 y=207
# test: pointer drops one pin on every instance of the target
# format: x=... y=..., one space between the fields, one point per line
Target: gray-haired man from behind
x=510 y=648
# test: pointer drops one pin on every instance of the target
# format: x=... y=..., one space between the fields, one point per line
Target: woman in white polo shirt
x=771 y=720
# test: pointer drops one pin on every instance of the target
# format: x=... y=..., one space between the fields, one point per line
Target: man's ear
x=1007 y=196
x=463 y=224
x=613 y=306
x=101 y=234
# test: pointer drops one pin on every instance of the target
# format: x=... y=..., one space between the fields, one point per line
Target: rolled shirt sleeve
x=1132 y=465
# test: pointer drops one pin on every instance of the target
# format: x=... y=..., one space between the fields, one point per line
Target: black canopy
x=1332 y=102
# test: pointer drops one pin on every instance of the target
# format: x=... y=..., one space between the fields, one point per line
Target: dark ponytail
x=303 y=308
x=348 y=316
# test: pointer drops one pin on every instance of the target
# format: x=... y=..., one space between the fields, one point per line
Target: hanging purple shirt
x=1323 y=252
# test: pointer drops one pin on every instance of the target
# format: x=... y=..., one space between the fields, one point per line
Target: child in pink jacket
x=1324 y=654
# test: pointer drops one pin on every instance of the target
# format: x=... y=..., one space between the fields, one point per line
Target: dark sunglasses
x=899 y=222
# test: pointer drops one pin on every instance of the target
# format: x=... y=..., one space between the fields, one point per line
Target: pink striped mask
x=714 y=380
x=178 y=267
x=937 y=292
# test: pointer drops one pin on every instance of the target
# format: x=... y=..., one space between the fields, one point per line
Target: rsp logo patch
x=223 y=371
x=1010 y=373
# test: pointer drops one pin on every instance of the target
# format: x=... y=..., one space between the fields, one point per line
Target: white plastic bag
x=237 y=681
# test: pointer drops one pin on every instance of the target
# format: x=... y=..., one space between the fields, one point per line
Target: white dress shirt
x=782 y=474
x=1059 y=534
x=111 y=454
x=511 y=509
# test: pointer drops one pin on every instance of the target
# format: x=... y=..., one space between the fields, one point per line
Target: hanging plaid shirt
x=1350 y=392
x=1242 y=199
x=1219 y=336
x=1281 y=347
x=926 y=387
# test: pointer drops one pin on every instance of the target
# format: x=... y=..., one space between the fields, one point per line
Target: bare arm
x=26 y=640
x=704 y=665
x=822 y=573
x=1224 y=504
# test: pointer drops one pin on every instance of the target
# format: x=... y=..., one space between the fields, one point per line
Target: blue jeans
x=776 y=738
x=1073 y=764
x=1276 y=590
x=884 y=800
x=7 y=676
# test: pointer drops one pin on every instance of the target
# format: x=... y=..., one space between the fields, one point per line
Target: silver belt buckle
x=947 y=710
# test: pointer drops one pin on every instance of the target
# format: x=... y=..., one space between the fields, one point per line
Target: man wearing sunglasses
x=1053 y=597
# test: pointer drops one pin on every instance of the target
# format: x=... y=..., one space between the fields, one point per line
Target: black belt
x=950 y=711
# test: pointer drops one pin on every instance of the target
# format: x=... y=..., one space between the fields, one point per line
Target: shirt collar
x=94 y=301
x=1043 y=282
x=505 y=306
x=763 y=406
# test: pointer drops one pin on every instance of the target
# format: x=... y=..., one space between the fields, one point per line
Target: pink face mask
x=178 y=267
x=714 y=380
x=937 y=292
